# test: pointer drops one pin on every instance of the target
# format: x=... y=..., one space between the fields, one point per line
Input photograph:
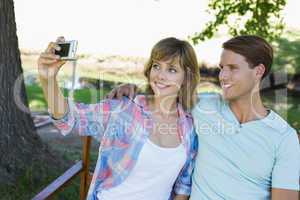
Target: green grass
x=37 y=101
x=27 y=188
x=134 y=78
x=288 y=110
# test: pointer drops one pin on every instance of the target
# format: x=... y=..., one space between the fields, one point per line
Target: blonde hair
x=171 y=48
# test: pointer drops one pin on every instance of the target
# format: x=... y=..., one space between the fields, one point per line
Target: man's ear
x=259 y=71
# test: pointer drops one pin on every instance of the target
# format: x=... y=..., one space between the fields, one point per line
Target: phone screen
x=64 y=51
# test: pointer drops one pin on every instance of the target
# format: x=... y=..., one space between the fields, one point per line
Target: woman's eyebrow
x=174 y=63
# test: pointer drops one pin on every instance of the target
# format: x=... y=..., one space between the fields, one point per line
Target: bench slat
x=61 y=181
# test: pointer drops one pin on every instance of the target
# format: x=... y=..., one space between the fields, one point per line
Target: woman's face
x=166 y=77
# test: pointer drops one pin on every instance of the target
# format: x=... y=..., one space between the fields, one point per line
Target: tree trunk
x=20 y=145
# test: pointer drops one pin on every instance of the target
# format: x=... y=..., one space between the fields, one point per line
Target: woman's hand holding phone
x=48 y=66
x=49 y=63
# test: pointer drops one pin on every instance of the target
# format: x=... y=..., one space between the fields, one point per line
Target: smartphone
x=68 y=50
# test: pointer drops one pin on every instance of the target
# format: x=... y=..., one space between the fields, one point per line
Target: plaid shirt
x=122 y=127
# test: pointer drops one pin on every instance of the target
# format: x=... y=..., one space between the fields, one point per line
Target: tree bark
x=20 y=146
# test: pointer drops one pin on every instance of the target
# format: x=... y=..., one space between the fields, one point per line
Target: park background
x=115 y=39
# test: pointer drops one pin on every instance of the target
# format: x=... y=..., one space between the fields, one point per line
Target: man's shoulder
x=279 y=125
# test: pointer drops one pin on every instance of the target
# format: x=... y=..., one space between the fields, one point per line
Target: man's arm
x=181 y=197
x=285 y=175
x=125 y=89
x=283 y=194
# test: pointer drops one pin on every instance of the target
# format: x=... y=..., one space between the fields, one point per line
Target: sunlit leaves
x=256 y=17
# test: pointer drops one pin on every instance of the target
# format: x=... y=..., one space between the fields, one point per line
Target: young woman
x=147 y=144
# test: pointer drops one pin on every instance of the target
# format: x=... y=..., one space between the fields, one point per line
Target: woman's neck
x=164 y=106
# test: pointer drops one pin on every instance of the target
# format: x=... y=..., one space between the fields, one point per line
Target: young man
x=246 y=151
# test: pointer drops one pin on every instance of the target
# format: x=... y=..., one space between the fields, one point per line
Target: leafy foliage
x=287 y=52
x=255 y=17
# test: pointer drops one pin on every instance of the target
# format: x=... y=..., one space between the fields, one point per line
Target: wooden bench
x=81 y=168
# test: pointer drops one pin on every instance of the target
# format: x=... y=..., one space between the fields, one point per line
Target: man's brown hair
x=255 y=49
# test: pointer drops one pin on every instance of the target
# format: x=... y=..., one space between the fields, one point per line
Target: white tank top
x=152 y=177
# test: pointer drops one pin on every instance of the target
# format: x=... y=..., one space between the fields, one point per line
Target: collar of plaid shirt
x=110 y=172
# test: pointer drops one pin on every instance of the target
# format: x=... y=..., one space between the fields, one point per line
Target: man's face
x=236 y=77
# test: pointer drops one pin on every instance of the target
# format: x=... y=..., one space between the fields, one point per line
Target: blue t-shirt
x=242 y=161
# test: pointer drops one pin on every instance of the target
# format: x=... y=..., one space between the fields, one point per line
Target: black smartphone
x=68 y=50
